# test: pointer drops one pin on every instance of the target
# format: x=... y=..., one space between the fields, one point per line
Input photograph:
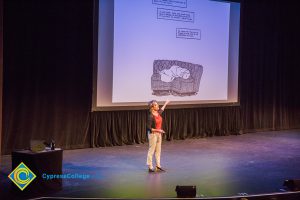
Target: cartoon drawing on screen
x=177 y=78
x=168 y=75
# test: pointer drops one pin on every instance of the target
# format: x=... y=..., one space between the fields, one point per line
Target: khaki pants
x=154 y=146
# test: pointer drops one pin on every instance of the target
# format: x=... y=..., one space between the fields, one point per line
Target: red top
x=158 y=121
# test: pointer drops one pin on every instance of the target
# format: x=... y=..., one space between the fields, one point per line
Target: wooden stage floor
x=253 y=163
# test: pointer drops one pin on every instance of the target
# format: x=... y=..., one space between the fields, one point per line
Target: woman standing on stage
x=154 y=132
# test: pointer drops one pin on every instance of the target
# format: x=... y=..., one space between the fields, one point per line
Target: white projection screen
x=185 y=51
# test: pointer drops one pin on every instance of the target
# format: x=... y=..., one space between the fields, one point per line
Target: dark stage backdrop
x=48 y=49
x=1 y=69
x=47 y=72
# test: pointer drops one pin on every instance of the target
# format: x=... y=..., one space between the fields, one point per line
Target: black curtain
x=270 y=96
x=47 y=72
x=129 y=127
x=48 y=79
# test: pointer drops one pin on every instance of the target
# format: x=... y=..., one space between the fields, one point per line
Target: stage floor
x=253 y=163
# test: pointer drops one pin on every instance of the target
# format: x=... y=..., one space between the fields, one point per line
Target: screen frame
x=144 y=105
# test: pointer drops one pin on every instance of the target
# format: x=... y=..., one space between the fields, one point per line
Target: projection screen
x=186 y=51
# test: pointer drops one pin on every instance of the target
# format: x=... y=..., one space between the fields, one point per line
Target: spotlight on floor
x=292 y=184
x=186 y=191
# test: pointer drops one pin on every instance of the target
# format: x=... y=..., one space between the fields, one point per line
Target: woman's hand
x=162 y=131
x=157 y=130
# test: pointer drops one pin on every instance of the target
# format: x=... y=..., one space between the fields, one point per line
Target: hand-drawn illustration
x=168 y=75
x=177 y=78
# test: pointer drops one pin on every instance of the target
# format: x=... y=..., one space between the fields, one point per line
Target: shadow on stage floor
x=231 y=167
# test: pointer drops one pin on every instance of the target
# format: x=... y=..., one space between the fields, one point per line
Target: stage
x=224 y=166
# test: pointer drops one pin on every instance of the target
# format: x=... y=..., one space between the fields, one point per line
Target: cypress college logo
x=22 y=176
